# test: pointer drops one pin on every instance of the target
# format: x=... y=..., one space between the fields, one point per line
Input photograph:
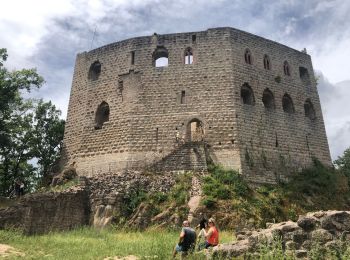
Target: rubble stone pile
x=325 y=228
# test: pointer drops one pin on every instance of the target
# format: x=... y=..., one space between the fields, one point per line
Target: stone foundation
x=51 y=211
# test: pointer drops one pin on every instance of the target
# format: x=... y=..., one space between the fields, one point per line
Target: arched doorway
x=195 y=131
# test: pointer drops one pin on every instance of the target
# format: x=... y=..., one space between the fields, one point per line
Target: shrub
x=224 y=184
x=223 y=192
x=209 y=202
x=317 y=179
x=180 y=191
x=158 y=197
x=343 y=164
x=133 y=200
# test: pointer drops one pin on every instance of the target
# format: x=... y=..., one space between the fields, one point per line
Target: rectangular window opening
x=121 y=88
x=157 y=134
x=183 y=97
x=132 y=57
x=194 y=38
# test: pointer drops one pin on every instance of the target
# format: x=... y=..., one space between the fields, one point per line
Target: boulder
x=232 y=250
x=336 y=220
x=301 y=253
x=66 y=175
x=307 y=223
x=327 y=228
x=321 y=235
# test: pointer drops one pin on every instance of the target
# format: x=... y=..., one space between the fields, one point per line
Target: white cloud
x=333 y=59
x=334 y=101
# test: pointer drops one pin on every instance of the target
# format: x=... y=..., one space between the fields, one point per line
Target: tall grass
x=88 y=243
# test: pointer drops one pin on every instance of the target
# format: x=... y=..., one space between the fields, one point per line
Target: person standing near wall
x=21 y=188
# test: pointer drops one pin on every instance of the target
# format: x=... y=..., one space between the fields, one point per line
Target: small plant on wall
x=278 y=79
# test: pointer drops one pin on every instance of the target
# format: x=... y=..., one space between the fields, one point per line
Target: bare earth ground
x=6 y=250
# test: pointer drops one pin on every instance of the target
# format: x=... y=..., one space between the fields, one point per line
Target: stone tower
x=172 y=102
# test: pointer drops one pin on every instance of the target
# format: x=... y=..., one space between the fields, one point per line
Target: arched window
x=286 y=68
x=102 y=115
x=287 y=104
x=304 y=75
x=309 y=109
x=188 y=56
x=268 y=99
x=267 y=64
x=248 y=57
x=94 y=71
x=247 y=95
x=160 y=57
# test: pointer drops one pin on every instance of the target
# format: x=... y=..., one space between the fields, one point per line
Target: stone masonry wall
x=98 y=200
x=44 y=212
x=146 y=112
x=273 y=142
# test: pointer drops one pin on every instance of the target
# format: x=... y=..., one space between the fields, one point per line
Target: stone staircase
x=190 y=156
x=187 y=156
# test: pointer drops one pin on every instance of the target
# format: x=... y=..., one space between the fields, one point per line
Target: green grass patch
x=88 y=243
x=61 y=187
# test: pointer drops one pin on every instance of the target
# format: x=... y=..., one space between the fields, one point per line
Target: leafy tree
x=48 y=136
x=343 y=163
x=30 y=130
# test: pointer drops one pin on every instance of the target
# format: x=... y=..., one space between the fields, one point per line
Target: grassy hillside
x=236 y=205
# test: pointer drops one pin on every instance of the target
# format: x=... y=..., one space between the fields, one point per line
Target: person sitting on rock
x=187 y=239
x=203 y=223
x=212 y=236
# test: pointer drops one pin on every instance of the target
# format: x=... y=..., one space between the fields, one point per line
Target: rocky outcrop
x=322 y=227
x=112 y=195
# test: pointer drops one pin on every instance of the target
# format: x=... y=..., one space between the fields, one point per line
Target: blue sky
x=48 y=35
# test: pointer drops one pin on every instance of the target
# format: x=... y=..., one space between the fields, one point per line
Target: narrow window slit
x=183 y=97
x=194 y=38
x=132 y=57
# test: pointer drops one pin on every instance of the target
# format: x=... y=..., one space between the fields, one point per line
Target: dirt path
x=196 y=196
x=194 y=203
x=6 y=250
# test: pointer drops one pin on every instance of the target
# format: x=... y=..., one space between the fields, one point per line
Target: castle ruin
x=173 y=102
